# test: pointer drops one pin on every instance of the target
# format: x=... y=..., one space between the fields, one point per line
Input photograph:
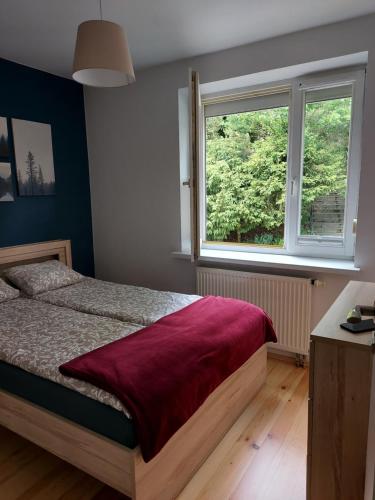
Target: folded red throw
x=164 y=372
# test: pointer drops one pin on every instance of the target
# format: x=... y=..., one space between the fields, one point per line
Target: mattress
x=126 y=303
x=39 y=337
x=70 y=404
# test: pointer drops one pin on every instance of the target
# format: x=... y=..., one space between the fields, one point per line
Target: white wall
x=134 y=158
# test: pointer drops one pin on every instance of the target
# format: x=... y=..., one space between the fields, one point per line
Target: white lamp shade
x=102 y=57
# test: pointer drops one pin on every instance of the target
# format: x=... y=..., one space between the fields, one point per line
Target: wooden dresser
x=341 y=435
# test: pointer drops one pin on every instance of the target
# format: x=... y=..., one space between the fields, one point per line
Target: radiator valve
x=318 y=283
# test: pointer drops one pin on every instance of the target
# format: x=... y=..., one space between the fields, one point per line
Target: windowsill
x=273 y=260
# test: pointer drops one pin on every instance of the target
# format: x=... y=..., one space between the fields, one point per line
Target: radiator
x=286 y=300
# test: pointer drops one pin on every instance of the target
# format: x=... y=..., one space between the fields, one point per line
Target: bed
x=35 y=339
x=117 y=462
x=123 y=302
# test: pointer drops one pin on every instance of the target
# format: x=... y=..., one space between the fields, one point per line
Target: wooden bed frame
x=110 y=462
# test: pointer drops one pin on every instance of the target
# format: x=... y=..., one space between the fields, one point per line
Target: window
x=246 y=172
x=279 y=169
x=325 y=159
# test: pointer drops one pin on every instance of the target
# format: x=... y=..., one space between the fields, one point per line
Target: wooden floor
x=263 y=457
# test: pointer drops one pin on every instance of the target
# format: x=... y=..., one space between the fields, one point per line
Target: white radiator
x=286 y=300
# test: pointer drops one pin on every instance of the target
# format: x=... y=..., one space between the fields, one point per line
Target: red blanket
x=164 y=372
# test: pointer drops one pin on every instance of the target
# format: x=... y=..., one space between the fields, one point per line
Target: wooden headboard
x=36 y=252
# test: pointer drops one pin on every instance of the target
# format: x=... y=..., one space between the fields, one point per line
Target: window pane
x=246 y=164
x=326 y=142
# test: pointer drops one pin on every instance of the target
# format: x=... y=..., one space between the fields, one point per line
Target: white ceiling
x=41 y=33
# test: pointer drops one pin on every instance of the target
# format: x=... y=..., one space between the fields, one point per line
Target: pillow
x=7 y=292
x=42 y=277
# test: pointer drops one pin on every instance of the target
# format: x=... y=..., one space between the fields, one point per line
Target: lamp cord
x=101 y=10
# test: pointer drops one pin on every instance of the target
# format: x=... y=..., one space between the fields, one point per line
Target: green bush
x=246 y=166
x=268 y=239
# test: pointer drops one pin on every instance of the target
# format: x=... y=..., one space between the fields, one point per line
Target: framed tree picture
x=34 y=158
x=4 y=145
x=6 y=185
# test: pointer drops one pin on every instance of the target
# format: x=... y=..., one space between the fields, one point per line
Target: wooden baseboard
x=286 y=357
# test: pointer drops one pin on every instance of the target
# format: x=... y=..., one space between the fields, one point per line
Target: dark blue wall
x=37 y=96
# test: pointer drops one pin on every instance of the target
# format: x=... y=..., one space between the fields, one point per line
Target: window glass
x=325 y=160
x=246 y=172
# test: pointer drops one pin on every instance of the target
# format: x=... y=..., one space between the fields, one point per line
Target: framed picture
x=6 y=185
x=34 y=158
x=4 y=145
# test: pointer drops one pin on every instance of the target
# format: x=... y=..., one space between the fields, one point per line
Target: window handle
x=354 y=226
x=293 y=186
x=186 y=183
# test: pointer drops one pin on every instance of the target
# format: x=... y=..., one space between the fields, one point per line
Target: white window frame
x=320 y=246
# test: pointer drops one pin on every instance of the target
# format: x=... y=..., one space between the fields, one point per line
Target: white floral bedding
x=41 y=277
x=39 y=337
x=122 y=302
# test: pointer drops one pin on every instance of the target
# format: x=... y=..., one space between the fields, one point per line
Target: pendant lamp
x=102 y=57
